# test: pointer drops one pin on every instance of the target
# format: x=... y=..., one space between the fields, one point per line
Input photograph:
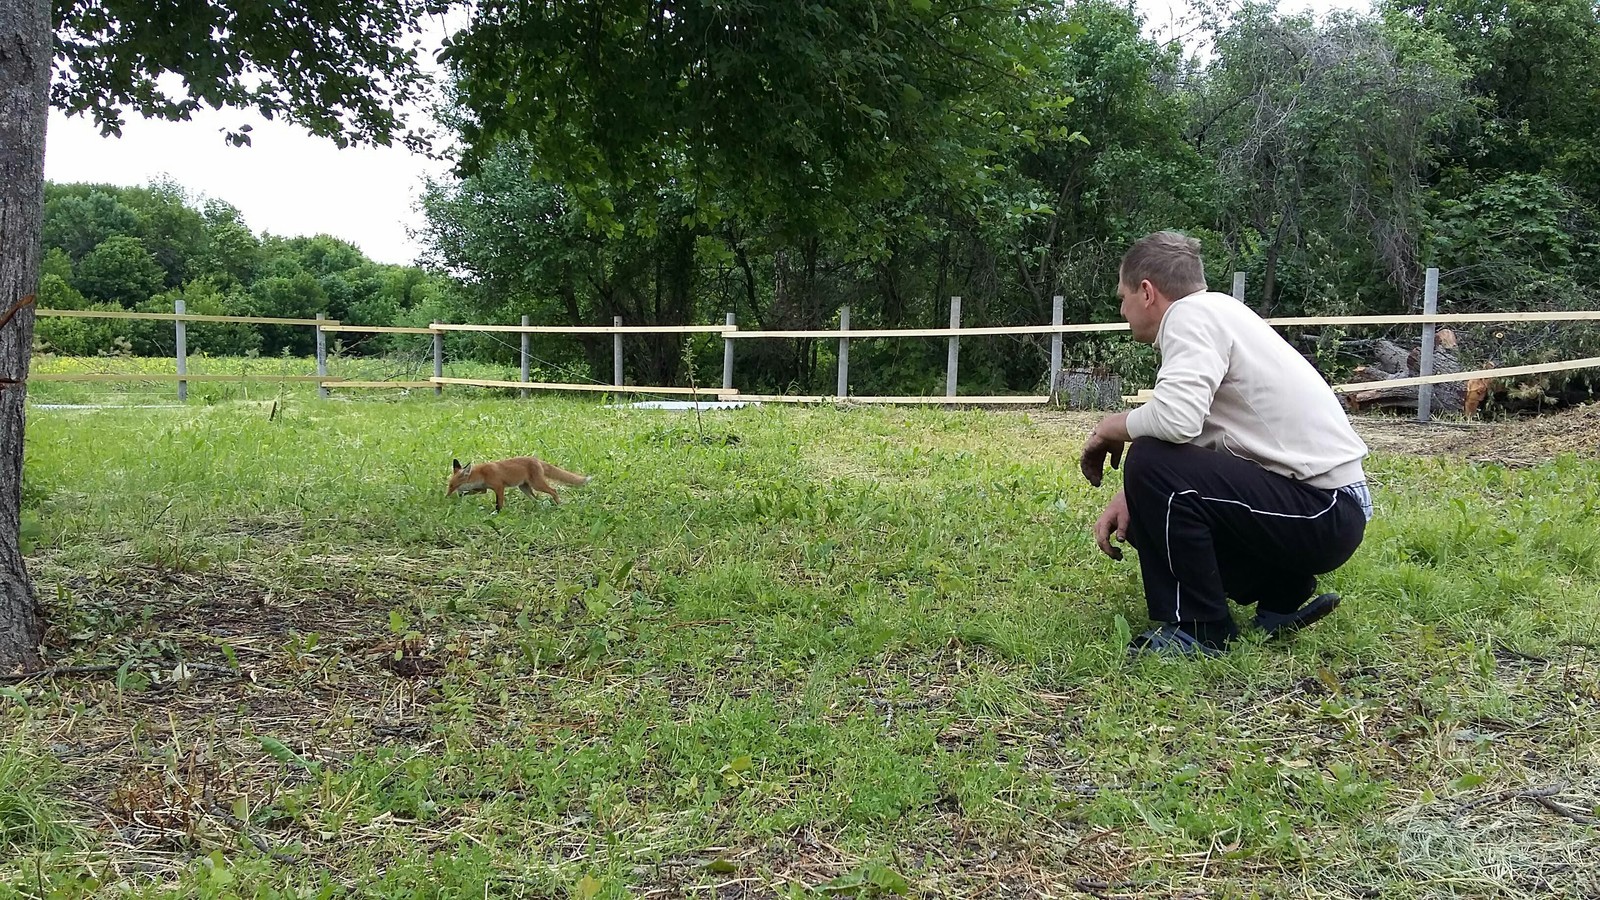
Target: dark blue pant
x=1208 y=525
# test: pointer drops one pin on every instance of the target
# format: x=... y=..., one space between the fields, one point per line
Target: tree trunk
x=25 y=47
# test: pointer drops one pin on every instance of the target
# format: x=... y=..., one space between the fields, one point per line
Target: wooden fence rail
x=731 y=335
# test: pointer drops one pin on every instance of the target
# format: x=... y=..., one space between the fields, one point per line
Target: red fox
x=526 y=472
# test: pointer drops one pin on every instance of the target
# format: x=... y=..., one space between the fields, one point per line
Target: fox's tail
x=563 y=476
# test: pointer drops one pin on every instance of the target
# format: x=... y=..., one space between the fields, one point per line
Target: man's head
x=1158 y=269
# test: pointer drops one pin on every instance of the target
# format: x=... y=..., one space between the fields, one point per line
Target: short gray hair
x=1170 y=260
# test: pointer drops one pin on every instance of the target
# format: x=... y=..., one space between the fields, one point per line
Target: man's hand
x=1113 y=521
x=1105 y=441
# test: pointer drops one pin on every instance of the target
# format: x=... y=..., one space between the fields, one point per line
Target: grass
x=30 y=816
x=775 y=653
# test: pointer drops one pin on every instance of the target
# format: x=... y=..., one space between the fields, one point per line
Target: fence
x=732 y=334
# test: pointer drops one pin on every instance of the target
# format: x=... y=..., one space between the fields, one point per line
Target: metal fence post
x=524 y=392
x=616 y=352
x=438 y=362
x=1430 y=307
x=844 y=352
x=727 y=358
x=1238 y=286
x=322 y=357
x=181 y=333
x=1057 y=316
x=955 y=349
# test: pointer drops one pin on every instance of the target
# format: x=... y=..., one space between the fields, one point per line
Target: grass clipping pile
x=1532 y=441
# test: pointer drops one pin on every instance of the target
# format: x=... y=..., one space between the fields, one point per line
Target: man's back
x=1229 y=382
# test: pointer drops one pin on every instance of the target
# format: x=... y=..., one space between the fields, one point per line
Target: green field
x=773 y=652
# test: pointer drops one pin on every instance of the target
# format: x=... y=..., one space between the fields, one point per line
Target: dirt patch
x=212 y=691
x=1533 y=440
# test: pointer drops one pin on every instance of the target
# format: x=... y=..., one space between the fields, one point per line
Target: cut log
x=1394 y=361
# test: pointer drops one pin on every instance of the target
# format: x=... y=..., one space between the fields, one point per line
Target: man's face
x=1138 y=309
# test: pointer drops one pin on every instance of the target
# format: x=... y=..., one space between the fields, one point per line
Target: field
x=770 y=652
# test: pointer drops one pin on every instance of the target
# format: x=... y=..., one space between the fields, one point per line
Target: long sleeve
x=1195 y=348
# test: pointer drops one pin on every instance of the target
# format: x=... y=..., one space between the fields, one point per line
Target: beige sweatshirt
x=1228 y=381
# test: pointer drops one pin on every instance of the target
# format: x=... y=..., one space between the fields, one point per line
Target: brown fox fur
x=525 y=472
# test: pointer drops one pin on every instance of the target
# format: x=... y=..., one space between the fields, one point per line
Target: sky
x=290 y=183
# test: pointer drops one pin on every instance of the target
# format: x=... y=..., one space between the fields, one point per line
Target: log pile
x=1391 y=361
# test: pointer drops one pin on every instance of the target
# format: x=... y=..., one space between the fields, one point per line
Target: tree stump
x=1088 y=389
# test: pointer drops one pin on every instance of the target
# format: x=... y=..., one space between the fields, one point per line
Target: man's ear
x=455 y=465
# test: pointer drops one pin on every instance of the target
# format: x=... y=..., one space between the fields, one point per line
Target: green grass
x=805 y=653
x=30 y=815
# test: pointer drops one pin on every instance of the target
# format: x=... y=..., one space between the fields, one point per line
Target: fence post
x=322 y=357
x=181 y=332
x=438 y=362
x=1430 y=307
x=524 y=392
x=1238 y=286
x=844 y=352
x=1057 y=316
x=955 y=349
x=616 y=352
x=727 y=358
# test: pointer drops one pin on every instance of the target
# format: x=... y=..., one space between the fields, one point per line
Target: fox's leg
x=499 y=498
x=541 y=484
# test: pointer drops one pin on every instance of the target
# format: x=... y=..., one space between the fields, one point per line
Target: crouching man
x=1243 y=478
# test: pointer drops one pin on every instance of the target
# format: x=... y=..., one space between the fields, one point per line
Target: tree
x=798 y=108
x=119 y=270
x=1531 y=63
x=794 y=143
x=341 y=70
x=1322 y=130
x=79 y=218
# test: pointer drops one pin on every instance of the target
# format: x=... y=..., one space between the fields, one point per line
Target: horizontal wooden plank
x=1443 y=318
x=377 y=384
x=1006 y=400
x=601 y=388
x=591 y=329
x=174 y=317
x=173 y=376
x=1588 y=362
x=379 y=329
x=933 y=332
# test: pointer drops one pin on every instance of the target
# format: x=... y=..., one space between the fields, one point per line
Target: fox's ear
x=455 y=465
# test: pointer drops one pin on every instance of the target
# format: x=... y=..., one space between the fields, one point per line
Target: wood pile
x=1391 y=361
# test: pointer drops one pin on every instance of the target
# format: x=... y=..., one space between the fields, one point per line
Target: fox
x=525 y=472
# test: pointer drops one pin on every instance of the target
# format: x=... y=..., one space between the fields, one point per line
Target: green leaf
x=1124 y=633
x=589 y=888
x=1468 y=781
x=278 y=751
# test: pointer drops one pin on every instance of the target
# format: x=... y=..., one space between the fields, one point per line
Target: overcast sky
x=290 y=183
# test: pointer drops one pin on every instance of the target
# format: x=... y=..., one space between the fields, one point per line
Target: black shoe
x=1278 y=624
x=1169 y=640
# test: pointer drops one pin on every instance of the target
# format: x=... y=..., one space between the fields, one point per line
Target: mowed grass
x=773 y=652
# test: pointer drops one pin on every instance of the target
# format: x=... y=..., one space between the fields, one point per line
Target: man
x=1244 y=477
